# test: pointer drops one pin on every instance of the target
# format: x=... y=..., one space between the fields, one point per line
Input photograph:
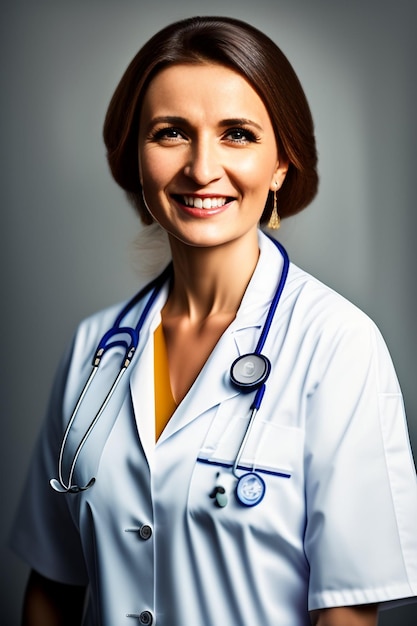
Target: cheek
x=155 y=166
x=255 y=172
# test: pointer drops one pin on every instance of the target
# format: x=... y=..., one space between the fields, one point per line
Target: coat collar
x=212 y=385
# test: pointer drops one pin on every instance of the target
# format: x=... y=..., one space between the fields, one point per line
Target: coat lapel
x=142 y=378
x=212 y=385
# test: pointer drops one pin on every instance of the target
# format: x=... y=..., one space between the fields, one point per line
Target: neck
x=211 y=280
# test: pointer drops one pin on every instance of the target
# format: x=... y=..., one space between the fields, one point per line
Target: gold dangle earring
x=274 y=221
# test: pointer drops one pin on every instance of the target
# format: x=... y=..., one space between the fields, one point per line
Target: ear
x=279 y=175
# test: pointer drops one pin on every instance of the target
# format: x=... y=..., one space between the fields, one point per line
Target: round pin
x=220 y=496
x=250 y=371
x=250 y=489
x=221 y=499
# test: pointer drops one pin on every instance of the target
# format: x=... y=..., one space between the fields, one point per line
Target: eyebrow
x=226 y=123
x=240 y=121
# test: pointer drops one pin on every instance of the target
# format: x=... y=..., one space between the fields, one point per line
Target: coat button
x=145 y=532
x=146 y=618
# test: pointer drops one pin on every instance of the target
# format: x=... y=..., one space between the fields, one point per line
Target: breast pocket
x=273 y=451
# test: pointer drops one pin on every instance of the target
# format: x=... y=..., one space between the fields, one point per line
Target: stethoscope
x=248 y=373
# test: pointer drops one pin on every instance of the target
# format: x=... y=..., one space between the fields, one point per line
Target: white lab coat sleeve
x=44 y=533
x=361 y=492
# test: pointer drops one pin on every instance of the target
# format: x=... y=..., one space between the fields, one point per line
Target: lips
x=202 y=202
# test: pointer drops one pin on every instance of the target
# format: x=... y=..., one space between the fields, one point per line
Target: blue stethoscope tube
x=252 y=477
x=248 y=373
x=104 y=345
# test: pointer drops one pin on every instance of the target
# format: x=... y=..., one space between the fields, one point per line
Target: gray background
x=68 y=231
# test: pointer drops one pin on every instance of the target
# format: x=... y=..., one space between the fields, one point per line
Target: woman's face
x=207 y=154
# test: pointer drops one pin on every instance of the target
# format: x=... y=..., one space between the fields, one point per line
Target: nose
x=204 y=164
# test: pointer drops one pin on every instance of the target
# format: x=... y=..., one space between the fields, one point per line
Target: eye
x=241 y=135
x=167 y=134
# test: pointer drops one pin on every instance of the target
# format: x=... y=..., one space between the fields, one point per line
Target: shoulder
x=321 y=306
x=305 y=294
x=334 y=331
x=308 y=308
x=328 y=326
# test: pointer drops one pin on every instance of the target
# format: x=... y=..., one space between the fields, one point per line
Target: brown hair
x=252 y=54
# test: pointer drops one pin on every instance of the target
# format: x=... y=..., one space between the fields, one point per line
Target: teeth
x=204 y=203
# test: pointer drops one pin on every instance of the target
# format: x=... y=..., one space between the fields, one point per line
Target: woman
x=281 y=493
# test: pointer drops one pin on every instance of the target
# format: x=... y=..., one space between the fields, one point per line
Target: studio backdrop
x=68 y=232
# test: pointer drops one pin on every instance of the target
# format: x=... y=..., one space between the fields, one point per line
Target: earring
x=274 y=221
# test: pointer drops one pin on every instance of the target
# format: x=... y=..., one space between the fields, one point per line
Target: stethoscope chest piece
x=250 y=371
x=250 y=489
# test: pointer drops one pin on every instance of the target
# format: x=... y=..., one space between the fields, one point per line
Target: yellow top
x=165 y=404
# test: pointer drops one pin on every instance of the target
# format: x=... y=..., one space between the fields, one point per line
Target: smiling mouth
x=197 y=202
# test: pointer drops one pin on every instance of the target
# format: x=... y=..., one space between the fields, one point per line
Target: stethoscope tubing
x=103 y=346
x=259 y=347
x=133 y=333
x=254 y=409
x=275 y=299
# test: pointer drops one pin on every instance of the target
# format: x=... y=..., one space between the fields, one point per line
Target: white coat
x=337 y=525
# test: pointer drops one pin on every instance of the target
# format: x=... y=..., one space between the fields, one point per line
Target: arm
x=365 y=615
x=49 y=603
